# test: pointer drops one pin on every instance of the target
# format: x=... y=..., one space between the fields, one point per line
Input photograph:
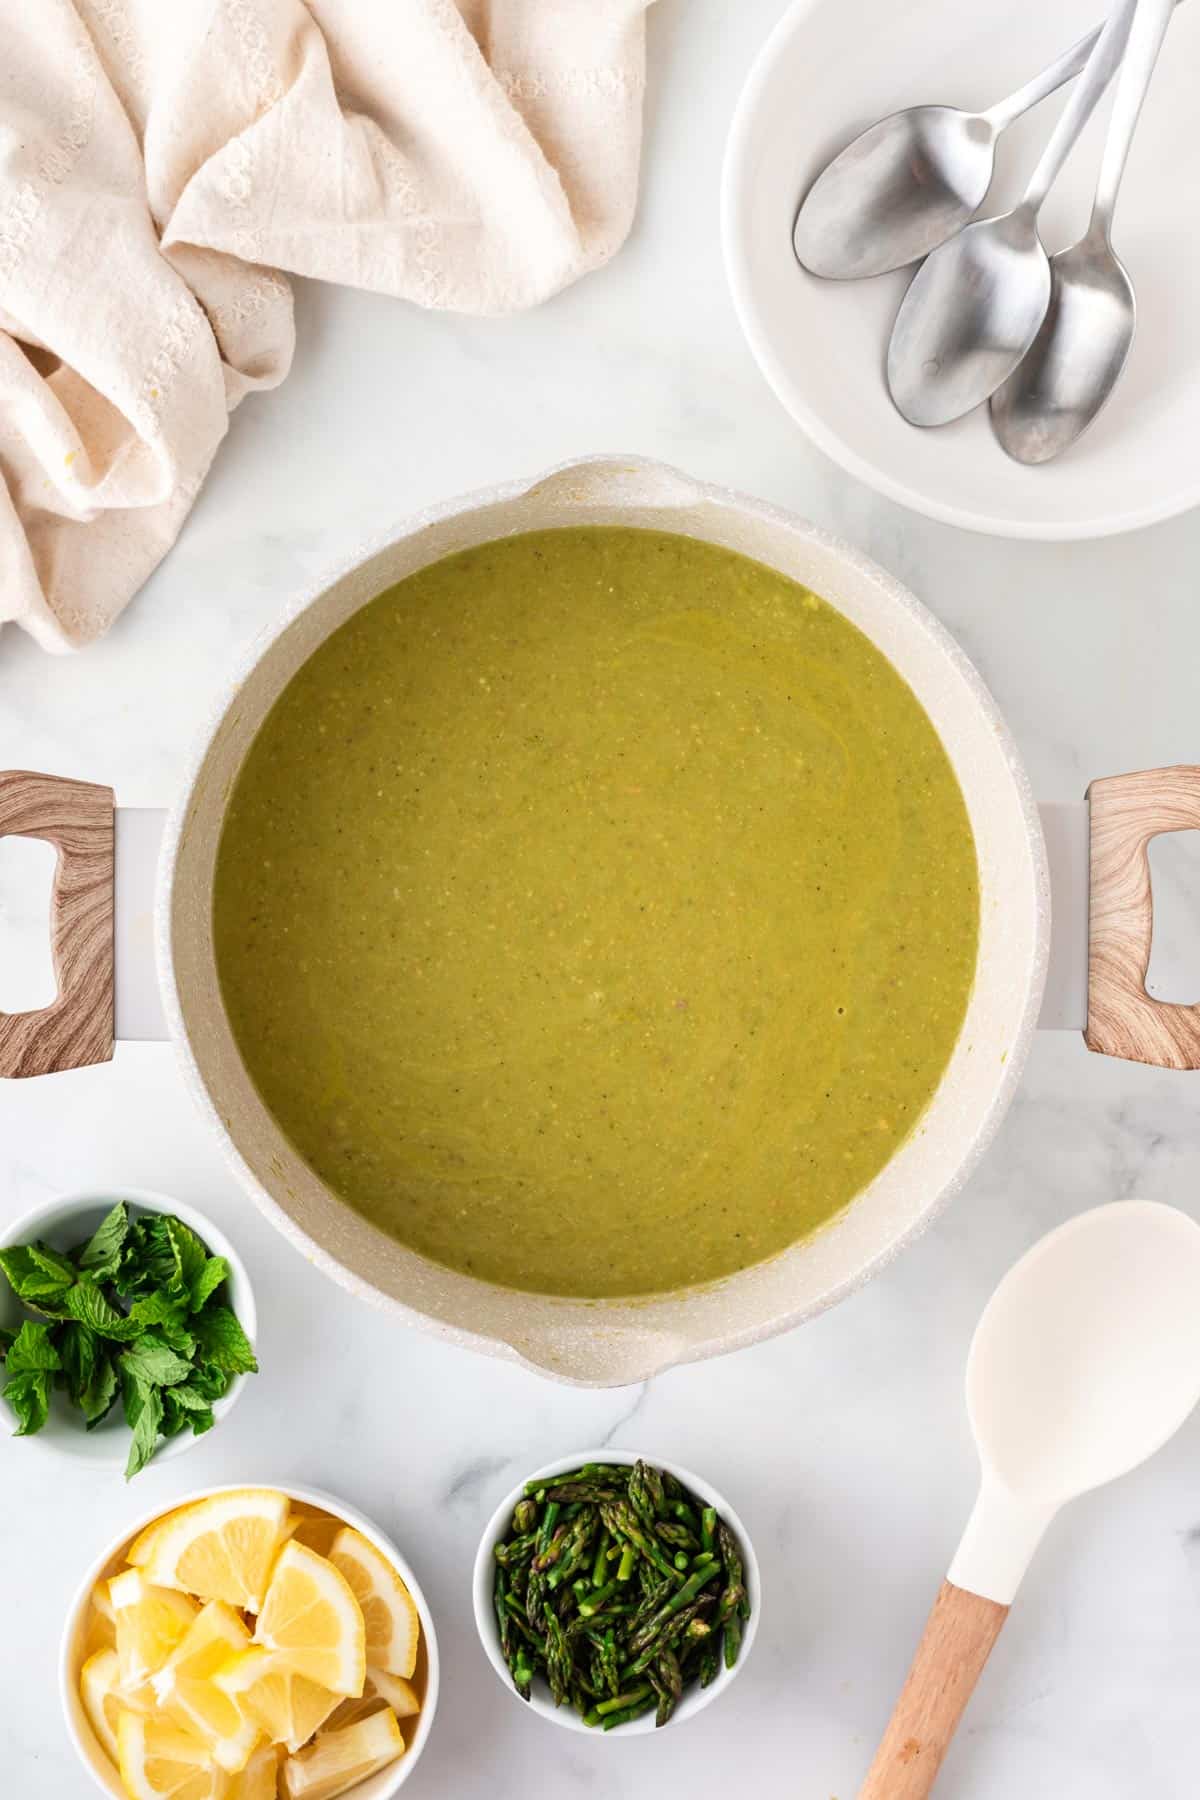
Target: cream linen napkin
x=161 y=161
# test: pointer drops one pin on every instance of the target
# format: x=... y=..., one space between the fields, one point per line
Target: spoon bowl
x=911 y=181
x=1076 y=359
x=895 y=193
x=1087 y=1357
x=970 y=314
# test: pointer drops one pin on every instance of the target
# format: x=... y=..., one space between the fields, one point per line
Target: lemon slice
x=259 y=1779
x=380 y=1690
x=103 y=1698
x=159 y=1760
x=389 y=1616
x=185 y=1688
x=341 y=1759
x=284 y=1706
x=315 y=1530
x=310 y=1614
x=221 y=1548
x=150 y=1621
x=100 y=1629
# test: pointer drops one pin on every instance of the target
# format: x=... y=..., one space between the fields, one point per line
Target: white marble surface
x=844 y=1445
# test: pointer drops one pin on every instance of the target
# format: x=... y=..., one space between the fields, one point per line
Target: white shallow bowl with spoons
x=696 y=1698
x=831 y=68
x=73 y=1649
x=70 y=1220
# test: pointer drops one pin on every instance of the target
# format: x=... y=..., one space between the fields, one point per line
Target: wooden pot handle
x=76 y=1029
x=957 y=1642
x=1123 y=1019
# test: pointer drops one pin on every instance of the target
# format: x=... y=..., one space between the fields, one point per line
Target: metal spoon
x=1077 y=357
x=1085 y=1362
x=975 y=305
x=911 y=181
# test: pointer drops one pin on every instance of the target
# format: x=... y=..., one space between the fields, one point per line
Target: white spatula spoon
x=1085 y=1362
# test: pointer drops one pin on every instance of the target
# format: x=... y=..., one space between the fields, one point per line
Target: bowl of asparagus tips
x=616 y=1593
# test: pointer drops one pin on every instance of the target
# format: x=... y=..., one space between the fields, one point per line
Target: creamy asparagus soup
x=596 y=911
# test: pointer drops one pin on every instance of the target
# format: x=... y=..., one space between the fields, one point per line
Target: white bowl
x=696 y=1698
x=829 y=69
x=74 y=1638
x=70 y=1220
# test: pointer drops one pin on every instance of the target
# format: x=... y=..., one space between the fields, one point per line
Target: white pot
x=598 y=1343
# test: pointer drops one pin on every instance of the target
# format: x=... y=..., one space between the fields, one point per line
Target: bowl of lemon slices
x=250 y=1643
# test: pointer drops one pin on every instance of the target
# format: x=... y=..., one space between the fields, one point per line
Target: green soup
x=596 y=911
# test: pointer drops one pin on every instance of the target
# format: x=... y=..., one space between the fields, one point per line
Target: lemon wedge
x=311 y=1615
x=389 y=1615
x=149 y=1623
x=284 y=1706
x=315 y=1530
x=221 y=1548
x=100 y=1630
x=259 y=1779
x=341 y=1759
x=159 y=1760
x=379 y=1690
x=185 y=1689
x=103 y=1698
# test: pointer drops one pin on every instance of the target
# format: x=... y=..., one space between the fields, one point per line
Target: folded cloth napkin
x=162 y=161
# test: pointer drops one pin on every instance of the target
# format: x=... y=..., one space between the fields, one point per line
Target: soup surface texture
x=596 y=911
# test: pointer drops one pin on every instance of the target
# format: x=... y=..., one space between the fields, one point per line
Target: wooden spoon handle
x=76 y=1029
x=957 y=1642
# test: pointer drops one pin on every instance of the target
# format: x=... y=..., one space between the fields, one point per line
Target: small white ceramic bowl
x=74 y=1639
x=68 y=1221
x=696 y=1698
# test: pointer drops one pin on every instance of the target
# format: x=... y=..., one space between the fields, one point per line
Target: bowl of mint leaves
x=127 y=1326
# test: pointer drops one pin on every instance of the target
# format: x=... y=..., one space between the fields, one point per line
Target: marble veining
x=844 y=1445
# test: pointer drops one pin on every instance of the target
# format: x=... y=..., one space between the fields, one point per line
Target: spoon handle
x=1102 y=64
x=1145 y=41
x=958 y=1639
x=1068 y=65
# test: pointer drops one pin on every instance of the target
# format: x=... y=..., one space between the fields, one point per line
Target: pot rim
x=673 y=1351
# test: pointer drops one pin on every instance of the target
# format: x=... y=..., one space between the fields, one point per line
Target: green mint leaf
x=188 y=1398
x=221 y=1340
x=57 y=1268
x=30 y=1281
x=183 y=1407
x=77 y=1346
x=190 y=1256
x=29 y=1396
x=148 y=1260
x=151 y=1359
x=210 y=1381
x=96 y=1400
x=214 y=1272
x=169 y=1317
x=31 y=1351
x=87 y=1303
x=147 y=1407
x=102 y=1252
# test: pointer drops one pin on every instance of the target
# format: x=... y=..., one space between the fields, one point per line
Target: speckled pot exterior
x=609 y=1343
